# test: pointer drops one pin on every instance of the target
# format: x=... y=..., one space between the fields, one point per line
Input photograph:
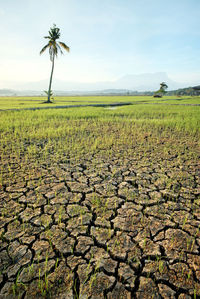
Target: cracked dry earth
x=101 y=228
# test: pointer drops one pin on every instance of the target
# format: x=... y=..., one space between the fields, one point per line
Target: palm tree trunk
x=49 y=91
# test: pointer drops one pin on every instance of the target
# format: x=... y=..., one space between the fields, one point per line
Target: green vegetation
x=40 y=124
x=161 y=91
x=189 y=91
x=33 y=102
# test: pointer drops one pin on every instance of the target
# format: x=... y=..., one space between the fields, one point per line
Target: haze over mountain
x=141 y=82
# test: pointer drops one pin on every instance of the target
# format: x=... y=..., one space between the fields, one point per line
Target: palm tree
x=54 y=47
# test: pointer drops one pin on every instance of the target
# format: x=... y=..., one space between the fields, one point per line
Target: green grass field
x=100 y=202
x=30 y=102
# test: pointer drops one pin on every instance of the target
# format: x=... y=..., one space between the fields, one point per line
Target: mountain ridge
x=139 y=82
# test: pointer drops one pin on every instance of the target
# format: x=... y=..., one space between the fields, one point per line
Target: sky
x=107 y=38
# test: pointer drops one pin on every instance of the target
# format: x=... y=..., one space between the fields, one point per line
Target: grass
x=80 y=127
x=32 y=102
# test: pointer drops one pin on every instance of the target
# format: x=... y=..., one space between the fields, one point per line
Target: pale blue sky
x=108 y=39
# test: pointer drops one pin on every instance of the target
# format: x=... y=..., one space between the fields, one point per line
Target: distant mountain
x=142 y=82
x=4 y=92
x=177 y=92
x=146 y=82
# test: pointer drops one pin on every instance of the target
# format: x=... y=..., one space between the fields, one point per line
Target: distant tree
x=54 y=47
x=163 y=87
x=159 y=93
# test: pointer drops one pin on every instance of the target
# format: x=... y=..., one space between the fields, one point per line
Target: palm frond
x=64 y=46
x=53 y=46
x=59 y=48
x=44 y=48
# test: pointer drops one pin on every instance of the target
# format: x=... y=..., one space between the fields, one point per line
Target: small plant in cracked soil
x=100 y=204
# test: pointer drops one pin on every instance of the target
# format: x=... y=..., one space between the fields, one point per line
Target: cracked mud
x=122 y=226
